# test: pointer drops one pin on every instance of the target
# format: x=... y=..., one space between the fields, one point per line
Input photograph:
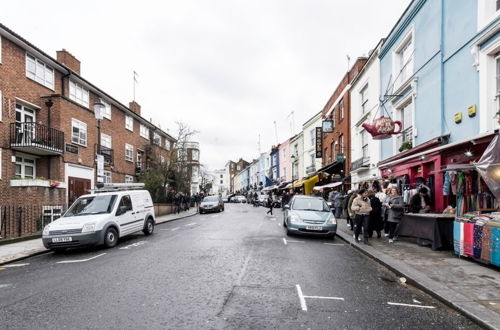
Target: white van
x=101 y=218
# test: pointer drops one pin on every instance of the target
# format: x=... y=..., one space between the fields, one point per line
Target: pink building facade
x=285 y=162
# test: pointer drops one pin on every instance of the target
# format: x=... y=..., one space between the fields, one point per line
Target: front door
x=76 y=188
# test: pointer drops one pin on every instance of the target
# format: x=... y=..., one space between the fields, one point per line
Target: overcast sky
x=227 y=68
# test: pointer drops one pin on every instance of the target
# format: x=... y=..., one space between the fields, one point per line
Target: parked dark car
x=309 y=215
x=211 y=204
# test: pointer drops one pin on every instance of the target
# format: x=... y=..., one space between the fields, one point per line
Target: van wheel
x=149 y=227
x=110 y=238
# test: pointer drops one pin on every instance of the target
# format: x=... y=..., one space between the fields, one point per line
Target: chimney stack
x=65 y=57
x=135 y=107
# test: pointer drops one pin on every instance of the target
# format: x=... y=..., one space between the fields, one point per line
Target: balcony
x=107 y=153
x=405 y=136
x=36 y=139
x=311 y=169
x=361 y=163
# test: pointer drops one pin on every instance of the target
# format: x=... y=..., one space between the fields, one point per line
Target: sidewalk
x=466 y=285
x=21 y=250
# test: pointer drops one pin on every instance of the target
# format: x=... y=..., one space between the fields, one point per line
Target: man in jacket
x=420 y=203
x=362 y=208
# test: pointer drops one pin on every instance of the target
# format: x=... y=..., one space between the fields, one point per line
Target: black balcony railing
x=107 y=153
x=36 y=138
x=310 y=169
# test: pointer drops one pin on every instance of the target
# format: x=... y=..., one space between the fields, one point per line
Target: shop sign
x=383 y=128
x=319 y=142
x=340 y=157
x=327 y=126
x=72 y=148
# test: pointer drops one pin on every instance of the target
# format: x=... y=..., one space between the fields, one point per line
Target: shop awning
x=333 y=168
x=330 y=185
x=309 y=184
x=298 y=183
x=283 y=185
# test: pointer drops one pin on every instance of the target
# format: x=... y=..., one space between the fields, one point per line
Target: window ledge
x=37 y=183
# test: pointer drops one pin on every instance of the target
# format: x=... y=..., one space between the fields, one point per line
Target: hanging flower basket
x=54 y=184
x=405 y=146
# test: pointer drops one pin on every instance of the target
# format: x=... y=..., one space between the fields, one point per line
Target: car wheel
x=201 y=212
x=149 y=227
x=110 y=238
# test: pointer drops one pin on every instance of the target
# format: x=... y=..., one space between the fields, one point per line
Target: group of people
x=183 y=202
x=369 y=211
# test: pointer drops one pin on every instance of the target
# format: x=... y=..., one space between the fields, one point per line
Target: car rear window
x=310 y=204
x=211 y=199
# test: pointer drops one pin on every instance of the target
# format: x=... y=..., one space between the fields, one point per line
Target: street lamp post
x=98 y=112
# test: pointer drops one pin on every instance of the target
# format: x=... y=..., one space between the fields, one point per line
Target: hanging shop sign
x=340 y=157
x=327 y=126
x=319 y=142
x=383 y=127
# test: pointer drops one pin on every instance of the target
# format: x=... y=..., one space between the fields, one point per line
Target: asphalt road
x=230 y=270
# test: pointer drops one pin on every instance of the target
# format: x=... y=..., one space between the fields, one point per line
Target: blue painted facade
x=275 y=165
x=245 y=178
x=443 y=80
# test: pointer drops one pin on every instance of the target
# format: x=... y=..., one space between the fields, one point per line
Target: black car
x=211 y=204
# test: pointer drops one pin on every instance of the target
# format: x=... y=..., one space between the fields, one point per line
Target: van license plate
x=61 y=239
x=314 y=228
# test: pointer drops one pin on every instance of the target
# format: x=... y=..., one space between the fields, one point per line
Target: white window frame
x=341 y=110
x=162 y=159
x=81 y=126
x=106 y=141
x=108 y=177
x=400 y=77
x=129 y=152
x=409 y=99
x=23 y=165
x=195 y=155
x=167 y=145
x=129 y=178
x=144 y=131
x=107 y=110
x=78 y=93
x=140 y=164
x=42 y=74
x=157 y=139
x=129 y=123
x=363 y=96
x=487 y=12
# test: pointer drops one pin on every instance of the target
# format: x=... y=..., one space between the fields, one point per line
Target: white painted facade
x=311 y=163
x=220 y=182
x=297 y=156
x=364 y=108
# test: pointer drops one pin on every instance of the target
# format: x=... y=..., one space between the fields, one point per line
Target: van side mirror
x=121 y=210
x=287 y=206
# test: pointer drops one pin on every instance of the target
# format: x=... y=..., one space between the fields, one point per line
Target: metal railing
x=310 y=169
x=107 y=153
x=23 y=220
x=37 y=136
x=405 y=136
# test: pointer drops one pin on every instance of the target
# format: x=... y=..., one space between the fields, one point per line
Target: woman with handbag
x=395 y=209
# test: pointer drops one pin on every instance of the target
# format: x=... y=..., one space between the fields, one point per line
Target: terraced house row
x=49 y=133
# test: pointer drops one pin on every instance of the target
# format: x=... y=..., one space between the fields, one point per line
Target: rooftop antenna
x=348 y=62
x=135 y=82
x=292 y=122
x=276 y=132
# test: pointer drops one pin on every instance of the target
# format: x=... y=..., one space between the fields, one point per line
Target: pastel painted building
x=311 y=163
x=438 y=77
x=285 y=164
x=275 y=164
x=297 y=156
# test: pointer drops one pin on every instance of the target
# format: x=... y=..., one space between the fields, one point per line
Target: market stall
x=431 y=227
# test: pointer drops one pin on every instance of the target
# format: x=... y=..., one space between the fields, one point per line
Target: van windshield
x=92 y=205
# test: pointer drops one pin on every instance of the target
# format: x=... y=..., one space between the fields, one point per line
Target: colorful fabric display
x=495 y=246
x=486 y=242
x=478 y=243
x=468 y=239
x=456 y=236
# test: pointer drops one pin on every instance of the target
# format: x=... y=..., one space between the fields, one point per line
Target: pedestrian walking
x=270 y=204
x=284 y=200
x=337 y=203
x=177 y=202
x=395 y=209
x=350 y=211
x=376 y=223
x=362 y=208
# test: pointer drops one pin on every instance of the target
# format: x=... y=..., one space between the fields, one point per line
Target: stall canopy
x=489 y=166
x=298 y=184
x=330 y=185
x=309 y=184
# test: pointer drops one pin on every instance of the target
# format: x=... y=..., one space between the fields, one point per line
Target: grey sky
x=228 y=68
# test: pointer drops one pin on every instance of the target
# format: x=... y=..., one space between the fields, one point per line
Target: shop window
x=497 y=96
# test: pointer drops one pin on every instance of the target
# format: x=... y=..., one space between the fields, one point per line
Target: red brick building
x=336 y=145
x=48 y=129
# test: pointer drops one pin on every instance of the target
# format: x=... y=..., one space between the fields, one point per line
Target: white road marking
x=272 y=219
x=174 y=229
x=15 y=265
x=133 y=245
x=409 y=305
x=4 y=285
x=284 y=240
x=190 y=224
x=333 y=244
x=321 y=297
x=295 y=241
x=416 y=301
x=301 y=298
x=279 y=223
x=81 y=260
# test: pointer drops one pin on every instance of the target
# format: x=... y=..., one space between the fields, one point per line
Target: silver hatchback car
x=309 y=215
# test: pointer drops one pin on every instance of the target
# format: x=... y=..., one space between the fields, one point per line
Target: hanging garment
x=468 y=239
x=462 y=239
x=446 y=184
x=475 y=182
x=478 y=233
x=495 y=246
x=486 y=243
x=468 y=183
x=456 y=236
x=453 y=182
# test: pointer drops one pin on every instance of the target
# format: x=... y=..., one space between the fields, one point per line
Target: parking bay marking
x=81 y=260
x=409 y=305
x=133 y=245
x=190 y=224
x=333 y=244
x=302 y=298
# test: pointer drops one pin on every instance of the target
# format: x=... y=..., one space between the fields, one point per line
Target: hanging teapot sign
x=383 y=127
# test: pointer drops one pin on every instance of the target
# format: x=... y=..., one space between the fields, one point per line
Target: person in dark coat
x=376 y=223
x=270 y=204
x=177 y=202
x=421 y=202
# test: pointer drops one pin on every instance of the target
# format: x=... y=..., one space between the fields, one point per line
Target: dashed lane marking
x=174 y=229
x=301 y=298
x=15 y=265
x=5 y=285
x=279 y=223
x=81 y=260
x=321 y=297
x=409 y=305
x=333 y=244
x=284 y=240
x=133 y=245
x=190 y=224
